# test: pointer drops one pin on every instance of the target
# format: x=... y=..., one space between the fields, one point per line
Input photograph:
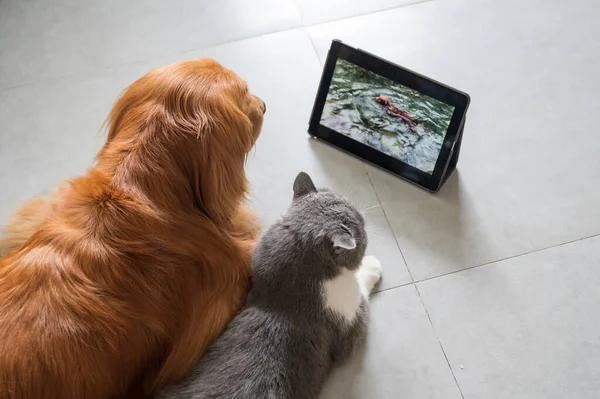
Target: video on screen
x=387 y=116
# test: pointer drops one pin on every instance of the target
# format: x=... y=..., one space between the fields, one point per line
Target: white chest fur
x=342 y=295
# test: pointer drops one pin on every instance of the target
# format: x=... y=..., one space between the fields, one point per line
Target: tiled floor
x=490 y=286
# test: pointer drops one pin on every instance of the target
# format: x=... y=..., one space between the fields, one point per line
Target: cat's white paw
x=372 y=263
x=368 y=274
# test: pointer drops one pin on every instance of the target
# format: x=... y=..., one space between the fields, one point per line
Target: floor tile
x=315 y=11
x=38 y=41
x=529 y=155
x=523 y=328
x=401 y=359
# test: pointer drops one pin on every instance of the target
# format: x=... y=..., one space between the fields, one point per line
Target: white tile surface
x=401 y=359
x=318 y=11
x=525 y=327
x=41 y=40
x=530 y=152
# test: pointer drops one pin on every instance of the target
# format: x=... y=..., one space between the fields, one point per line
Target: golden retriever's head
x=180 y=136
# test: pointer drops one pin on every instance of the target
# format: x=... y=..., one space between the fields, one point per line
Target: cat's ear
x=343 y=240
x=303 y=185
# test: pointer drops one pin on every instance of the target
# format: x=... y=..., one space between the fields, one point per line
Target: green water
x=351 y=109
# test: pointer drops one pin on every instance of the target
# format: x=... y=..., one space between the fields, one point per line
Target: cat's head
x=328 y=222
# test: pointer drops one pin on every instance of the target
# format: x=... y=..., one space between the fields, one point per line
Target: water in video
x=387 y=116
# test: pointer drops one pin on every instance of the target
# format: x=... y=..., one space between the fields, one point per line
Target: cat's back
x=303 y=311
x=262 y=354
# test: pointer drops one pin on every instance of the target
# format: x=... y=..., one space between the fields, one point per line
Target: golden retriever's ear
x=217 y=136
x=217 y=169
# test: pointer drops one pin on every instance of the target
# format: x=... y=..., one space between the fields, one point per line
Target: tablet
x=387 y=115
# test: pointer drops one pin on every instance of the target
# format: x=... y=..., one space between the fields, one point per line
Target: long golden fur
x=116 y=285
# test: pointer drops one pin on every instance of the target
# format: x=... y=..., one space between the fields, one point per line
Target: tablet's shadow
x=443 y=230
x=440 y=232
x=454 y=216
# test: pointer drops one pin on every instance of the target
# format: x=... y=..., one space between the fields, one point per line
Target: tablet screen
x=387 y=116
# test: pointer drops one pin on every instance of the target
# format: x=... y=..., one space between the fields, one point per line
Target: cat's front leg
x=348 y=337
x=368 y=274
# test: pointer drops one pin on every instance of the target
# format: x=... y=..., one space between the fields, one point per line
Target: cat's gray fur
x=285 y=340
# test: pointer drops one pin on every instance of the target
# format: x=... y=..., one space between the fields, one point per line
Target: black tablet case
x=451 y=166
x=455 y=154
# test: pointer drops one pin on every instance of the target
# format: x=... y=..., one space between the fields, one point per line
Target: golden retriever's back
x=62 y=323
x=117 y=285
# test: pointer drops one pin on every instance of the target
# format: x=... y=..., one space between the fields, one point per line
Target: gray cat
x=306 y=311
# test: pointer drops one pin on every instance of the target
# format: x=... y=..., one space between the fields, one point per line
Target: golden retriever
x=116 y=285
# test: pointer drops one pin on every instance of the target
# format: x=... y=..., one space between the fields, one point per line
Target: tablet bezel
x=459 y=100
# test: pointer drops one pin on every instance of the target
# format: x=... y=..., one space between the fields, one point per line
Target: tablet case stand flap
x=455 y=154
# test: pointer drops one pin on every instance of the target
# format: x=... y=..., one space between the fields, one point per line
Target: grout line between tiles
x=412 y=3
x=507 y=258
x=415 y=283
x=139 y=61
x=314 y=46
x=393 y=288
x=216 y=44
x=105 y=68
x=388 y=222
x=439 y=342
